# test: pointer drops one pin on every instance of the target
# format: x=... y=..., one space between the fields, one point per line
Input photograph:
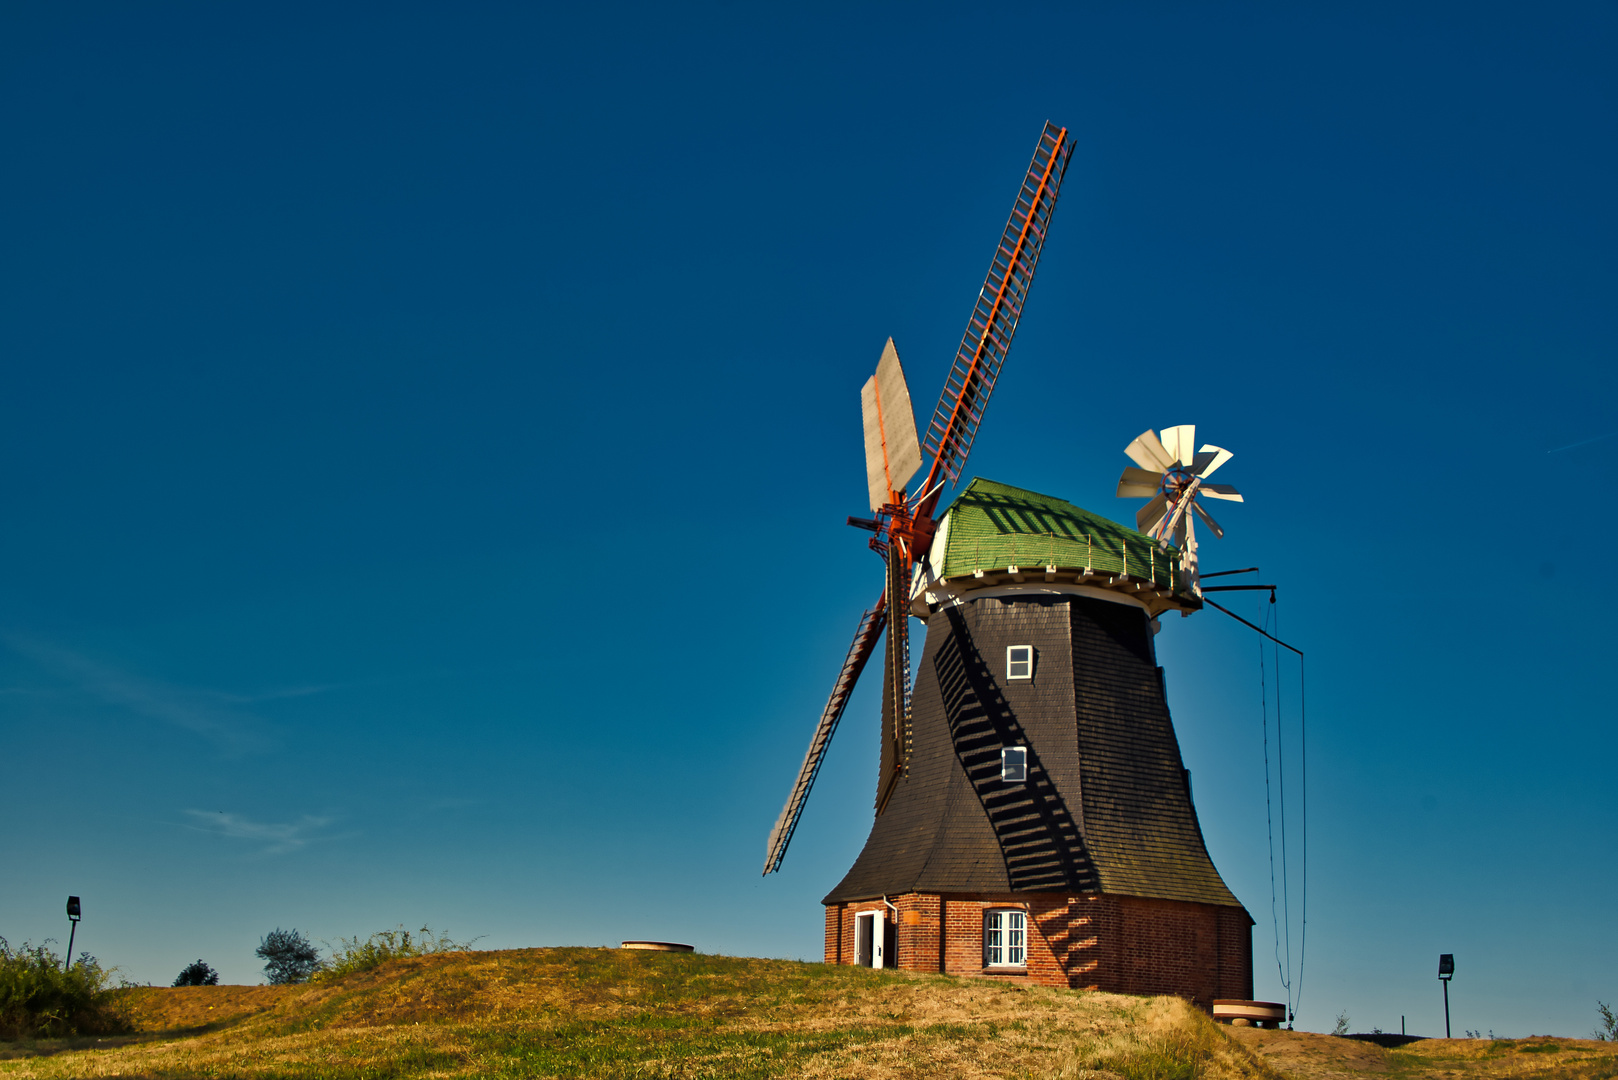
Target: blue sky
x=426 y=438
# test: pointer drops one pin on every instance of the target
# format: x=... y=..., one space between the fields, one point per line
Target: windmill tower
x=1033 y=816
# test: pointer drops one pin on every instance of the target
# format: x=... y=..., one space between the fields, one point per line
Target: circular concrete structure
x=659 y=946
x=1242 y=1013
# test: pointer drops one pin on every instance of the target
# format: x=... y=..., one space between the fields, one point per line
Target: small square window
x=1019 y=661
x=1005 y=936
x=1014 y=764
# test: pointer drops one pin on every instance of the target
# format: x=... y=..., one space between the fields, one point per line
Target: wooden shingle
x=1106 y=806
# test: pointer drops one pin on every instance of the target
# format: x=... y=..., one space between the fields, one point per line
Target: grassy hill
x=612 y=1013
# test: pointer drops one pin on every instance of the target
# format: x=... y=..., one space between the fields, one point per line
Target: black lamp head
x=1446 y=965
x=73 y=907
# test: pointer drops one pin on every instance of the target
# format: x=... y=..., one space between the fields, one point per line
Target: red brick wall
x=1235 y=954
x=1047 y=940
x=1119 y=943
x=920 y=932
x=1198 y=951
x=840 y=926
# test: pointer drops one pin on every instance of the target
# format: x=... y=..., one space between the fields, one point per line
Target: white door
x=864 y=928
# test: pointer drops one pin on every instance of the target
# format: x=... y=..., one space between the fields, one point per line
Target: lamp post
x=1446 y=972
x=73 y=917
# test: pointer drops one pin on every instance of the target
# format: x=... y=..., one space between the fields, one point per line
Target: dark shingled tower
x=1097 y=846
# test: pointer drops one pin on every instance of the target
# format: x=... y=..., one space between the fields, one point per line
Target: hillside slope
x=617 y=1014
x=613 y=1013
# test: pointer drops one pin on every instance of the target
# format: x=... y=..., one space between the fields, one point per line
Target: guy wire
x=1269 y=820
x=1303 y=757
x=1281 y=780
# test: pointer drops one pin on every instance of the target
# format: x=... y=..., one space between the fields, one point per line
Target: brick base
x=1095 y=941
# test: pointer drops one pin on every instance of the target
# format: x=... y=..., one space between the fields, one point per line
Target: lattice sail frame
x=999 y=306
x=864 y=644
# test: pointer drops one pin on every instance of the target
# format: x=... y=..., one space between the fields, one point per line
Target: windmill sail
x=892 y=451
x=864 y=644
x=895 y=678
x=994 y=319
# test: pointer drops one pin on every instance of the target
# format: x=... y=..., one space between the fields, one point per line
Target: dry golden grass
x=1307 y=1056
x=620 y=1014
x=184 y=1007
x=612 y=1013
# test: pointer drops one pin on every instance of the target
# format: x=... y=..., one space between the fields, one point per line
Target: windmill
x=903 y=522
x=1175 y=480
x=1033 y=815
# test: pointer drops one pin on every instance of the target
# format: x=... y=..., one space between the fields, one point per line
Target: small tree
x=197 y=974
x=1608 y=1031
x=1342 y=1024
x=289 y=957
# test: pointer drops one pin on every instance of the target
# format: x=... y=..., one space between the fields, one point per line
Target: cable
x=1303 y=757
x=1269 y=818
x=1281 y=778
x=1284 y=971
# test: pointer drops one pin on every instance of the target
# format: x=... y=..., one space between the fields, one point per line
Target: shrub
x=197 y=974
x=352 y=954
x=1342 y=1024
x=289 y=957
x=37 y=997
x=1608 y=1031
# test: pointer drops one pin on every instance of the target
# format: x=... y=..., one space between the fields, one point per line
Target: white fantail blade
x=1139 y=484
x=892 y=451
x=1180 y=442
x=1220 y=491
x=1207 y=519
x=1147 y=452
x=1149 y=515
x=1220 y=456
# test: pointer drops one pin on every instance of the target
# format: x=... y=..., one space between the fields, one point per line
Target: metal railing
x=1031 y=553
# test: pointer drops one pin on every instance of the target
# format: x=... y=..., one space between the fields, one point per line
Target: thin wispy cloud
x=277 y=838
x=289 y=692
x=1586 y=442
x=209 y=714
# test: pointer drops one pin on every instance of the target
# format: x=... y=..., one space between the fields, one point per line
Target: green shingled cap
x=993 y=525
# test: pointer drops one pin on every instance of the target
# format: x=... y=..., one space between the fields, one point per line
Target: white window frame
x=1005 y=938
x=1012 y=665
x=1020 y=752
